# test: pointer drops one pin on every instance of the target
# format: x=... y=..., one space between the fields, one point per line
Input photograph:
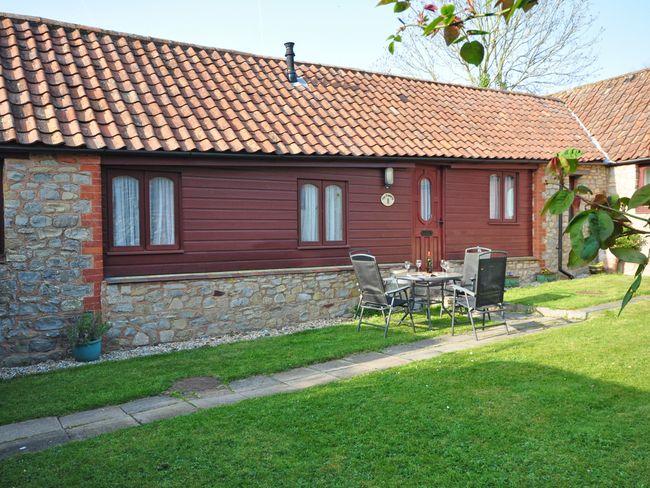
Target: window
x=143 y=211
x=503 y=197
x=425 y=199
x=322 y=213
x=644 y=179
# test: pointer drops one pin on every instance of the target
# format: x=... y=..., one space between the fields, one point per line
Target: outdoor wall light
x=388 y=177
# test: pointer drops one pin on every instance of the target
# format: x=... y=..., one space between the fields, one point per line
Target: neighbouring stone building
x=186 y=191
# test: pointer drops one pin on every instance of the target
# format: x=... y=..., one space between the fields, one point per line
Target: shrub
x=634 y=241
x=88 y=328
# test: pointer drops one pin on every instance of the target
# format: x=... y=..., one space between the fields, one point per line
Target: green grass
x=566 y=407
x=574 y=294
x=71 y=390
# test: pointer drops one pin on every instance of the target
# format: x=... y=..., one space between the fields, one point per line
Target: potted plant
x=545 y=275
x=512 y=280
x=596 y=268
x=85 y=336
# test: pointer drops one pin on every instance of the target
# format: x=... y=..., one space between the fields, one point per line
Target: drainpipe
x=560 y=256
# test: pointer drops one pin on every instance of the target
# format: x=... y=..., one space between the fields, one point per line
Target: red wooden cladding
x=237 y=219
x=467 y=214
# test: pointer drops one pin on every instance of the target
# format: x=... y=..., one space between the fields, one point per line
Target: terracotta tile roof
x=76 y=86
x=617 y=113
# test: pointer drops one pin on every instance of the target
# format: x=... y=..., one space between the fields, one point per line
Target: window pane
x=309 y=213
x=161 y=211
x=333 y=213
x=509 y=189
x=126 y=211
x=646 y=178
x=495 y=197
x=425 y=199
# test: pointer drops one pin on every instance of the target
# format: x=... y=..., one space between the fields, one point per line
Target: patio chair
x=470 y=264
x=487 y=294
x=375 y=296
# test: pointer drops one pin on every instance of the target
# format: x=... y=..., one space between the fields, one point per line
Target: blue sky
x=345 y=33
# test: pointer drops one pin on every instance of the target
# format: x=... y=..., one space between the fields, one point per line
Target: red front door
x=427 y=218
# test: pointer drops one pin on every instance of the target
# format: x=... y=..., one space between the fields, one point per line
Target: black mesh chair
x=487 y=295
x=375 y=295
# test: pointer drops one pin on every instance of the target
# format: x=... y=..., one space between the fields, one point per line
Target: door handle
x=440 y=222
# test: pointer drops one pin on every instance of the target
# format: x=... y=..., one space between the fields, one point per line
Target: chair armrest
x=461 y=289
x=398 y=290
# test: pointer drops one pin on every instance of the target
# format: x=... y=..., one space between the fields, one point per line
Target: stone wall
x=216 y=304
x=52 y=269
x=596 y=177
x=525 y=268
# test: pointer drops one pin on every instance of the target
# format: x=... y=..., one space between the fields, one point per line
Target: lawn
x=566 y=407
x=573 y=294
x=110 y=383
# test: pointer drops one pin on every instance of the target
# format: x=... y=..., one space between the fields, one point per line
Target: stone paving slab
x=267 y=390
x=253 y=383
x=148 y=403
x=331 y=365
x=34 y=443
x=29 y=428
x=318 y=379
x=295 y=374
x=101 y=427
x=38 y=434
x=92 y=416
x=173 y=410
x=223 y=398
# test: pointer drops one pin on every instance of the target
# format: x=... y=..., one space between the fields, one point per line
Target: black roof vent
x=291 y=69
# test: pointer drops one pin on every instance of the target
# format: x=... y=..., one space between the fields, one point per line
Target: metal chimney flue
x=291 y=69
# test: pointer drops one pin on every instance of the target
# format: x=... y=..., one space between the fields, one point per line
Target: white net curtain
x=161 y=211
x=126 y=211
x=334 y=213
x=425 y=199
x=509 y=189
x=309 y=213
x=495 y=197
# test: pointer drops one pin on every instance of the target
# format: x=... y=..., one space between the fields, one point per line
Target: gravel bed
x=8 y=373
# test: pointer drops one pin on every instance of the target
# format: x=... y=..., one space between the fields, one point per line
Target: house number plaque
x=387 y=199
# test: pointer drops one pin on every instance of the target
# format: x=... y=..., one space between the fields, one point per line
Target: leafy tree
x=530 y=52
x=606 y=223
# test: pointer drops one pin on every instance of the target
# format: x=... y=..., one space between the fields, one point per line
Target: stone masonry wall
x=53 y=263
x=595 y=177
x=165 y=311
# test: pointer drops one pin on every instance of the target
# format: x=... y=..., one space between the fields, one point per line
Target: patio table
x=428 y=281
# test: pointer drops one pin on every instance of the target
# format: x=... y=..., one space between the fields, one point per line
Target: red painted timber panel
x=467 y=207
x=236 y=219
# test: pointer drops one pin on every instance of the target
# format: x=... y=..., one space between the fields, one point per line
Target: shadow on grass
x=444 y=422
x=540 y=298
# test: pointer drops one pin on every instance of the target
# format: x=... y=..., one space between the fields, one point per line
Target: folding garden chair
x=375 y=296
x=487 y=294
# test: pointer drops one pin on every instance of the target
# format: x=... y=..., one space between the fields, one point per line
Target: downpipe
x=560 y=253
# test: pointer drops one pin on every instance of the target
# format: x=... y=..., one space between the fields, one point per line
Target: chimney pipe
x=291 y=69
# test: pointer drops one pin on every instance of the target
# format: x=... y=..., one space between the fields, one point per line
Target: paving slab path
x=42 y=433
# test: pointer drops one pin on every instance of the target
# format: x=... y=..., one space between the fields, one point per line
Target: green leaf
x=578 y=221
x=601 y=225
x=575 y=261
x=633 y=288
x=559 y=202
x=391 y=48
x=472 y=52
x=474 y=32
x=590 y=248
x=401 y=6
x=431 y=27
x=384 y=2
x=447 y=10
x=583 y=190
x=640 y=197
x=629 y=255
